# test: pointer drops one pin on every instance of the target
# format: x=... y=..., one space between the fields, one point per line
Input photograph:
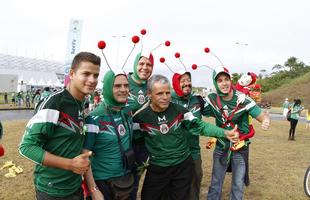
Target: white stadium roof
x=31 y=64
x=32 y=71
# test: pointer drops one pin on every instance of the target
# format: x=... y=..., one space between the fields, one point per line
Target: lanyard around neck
x=116 y=129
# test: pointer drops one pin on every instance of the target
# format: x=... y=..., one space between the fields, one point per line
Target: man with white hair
x=166 y=125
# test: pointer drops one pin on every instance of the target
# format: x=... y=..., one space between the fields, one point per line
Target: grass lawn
x=277 y=166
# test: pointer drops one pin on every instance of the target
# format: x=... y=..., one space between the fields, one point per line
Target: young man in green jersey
x=109 y=132
x=182 y=95
x=54 y=136
x=143 y=68
x=229 y=112
x=166 y=125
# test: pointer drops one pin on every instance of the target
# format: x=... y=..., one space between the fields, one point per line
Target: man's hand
x=241 y=98
x=97 y=195
x=80 y=163
x=266 y=121
x=232 y=135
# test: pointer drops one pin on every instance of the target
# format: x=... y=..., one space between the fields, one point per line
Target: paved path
x=26 y=114
x=15 y=114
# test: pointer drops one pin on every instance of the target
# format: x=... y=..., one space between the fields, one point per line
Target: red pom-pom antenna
x=207 y=50
x=177 y=55
x=194 y=66
x=162 y=60
x=135 y=39
x=143 y=32
x=167 y=43
x=101 y=44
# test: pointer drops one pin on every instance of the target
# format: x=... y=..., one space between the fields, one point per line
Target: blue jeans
x=218 y=174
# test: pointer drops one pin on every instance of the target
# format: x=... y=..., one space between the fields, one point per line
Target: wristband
x=94 y=189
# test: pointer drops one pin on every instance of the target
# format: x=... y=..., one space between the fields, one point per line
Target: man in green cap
x=109 y=133
x=182 y=94
x=142 y=70
x=231 y=111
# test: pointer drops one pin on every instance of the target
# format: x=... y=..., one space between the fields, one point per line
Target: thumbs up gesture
x=266 y=121
x=80 y=163
x=232 y=135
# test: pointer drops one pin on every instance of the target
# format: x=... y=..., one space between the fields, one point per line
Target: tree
x=262 y=73
x=235 y=77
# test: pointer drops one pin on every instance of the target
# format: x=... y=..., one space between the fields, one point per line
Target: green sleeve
x=207 y=110
x=38 y=129
x=198 y=127
x=92 y=131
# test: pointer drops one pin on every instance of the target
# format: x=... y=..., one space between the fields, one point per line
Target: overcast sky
x=273 y=29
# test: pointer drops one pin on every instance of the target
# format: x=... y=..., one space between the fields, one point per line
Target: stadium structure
x=21 y=73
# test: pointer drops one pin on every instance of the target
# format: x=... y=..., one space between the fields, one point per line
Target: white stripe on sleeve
x=189 y=116
x=44 y=116
x=92 y=128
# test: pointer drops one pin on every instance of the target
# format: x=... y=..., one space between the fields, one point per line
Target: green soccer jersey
x=137 y=94
x=137 y=98
x=102 y=140
x=195 y=104
x=56 y=127
x=165 y=133
x=219 y=108
x=286 y=104
x=295 y=113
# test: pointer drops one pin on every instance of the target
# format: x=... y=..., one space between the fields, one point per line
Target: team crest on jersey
x=141 y=98
x=225 y=109
x=164 y=128
x=81 y=128
x=121 y=129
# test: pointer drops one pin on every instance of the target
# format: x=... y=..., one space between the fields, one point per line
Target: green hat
x=108 y=82
x=216 y=72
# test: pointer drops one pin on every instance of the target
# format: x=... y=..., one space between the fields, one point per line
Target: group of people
x=141 y=123
x=291 y=112
x=26 y=98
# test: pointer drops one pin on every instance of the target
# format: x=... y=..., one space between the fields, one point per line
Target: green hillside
x=295 y=88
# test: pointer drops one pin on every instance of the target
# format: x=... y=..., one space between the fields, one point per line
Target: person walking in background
x=308 y=119
x=37 y=98
x=6 y=98
x=91 y=102
x=54 y=136
x=285 y=106
x=295 y=108
x=96 y=99
x=13 y=96
x=19 y=98
x=28 y=99
x=46 y=92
